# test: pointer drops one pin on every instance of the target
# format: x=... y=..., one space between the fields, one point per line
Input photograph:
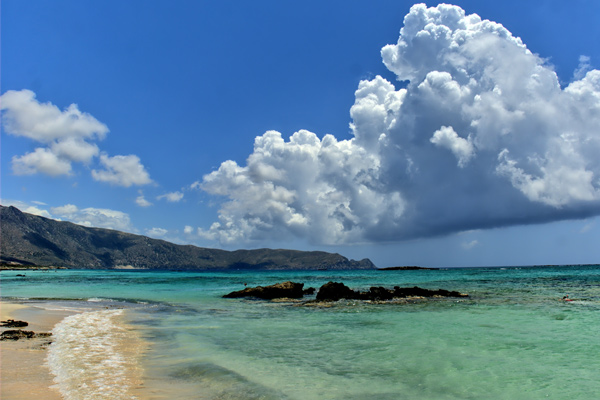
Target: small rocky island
x=334 y=291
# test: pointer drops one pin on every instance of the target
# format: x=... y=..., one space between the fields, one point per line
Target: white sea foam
x=89 y=359
x=98 y=300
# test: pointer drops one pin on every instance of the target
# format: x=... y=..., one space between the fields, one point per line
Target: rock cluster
x=334 y=291
x=287 y=289
x=16 y=334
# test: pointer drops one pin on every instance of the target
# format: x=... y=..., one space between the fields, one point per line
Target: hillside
x=30 y=239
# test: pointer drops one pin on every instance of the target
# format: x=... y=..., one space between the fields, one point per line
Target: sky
x=409 y=134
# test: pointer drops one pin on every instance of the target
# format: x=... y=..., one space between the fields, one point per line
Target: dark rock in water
x=378 y=293
x=11 y=323
x=309 y=291
x=279 y=290
x=334 y=291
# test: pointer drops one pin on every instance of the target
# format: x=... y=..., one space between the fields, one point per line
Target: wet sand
x=24 y=374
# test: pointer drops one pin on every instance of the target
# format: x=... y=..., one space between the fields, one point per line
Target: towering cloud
x=480 y=134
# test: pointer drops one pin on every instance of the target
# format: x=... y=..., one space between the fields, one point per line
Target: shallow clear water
x=511 y=339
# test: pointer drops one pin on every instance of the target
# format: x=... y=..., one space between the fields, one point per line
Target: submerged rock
x=420 y=292
x=288 y=289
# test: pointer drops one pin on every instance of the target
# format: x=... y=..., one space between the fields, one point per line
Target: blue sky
x=463 y=142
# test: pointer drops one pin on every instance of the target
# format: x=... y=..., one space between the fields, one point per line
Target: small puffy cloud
x=41 y=160
x=469 y=245
x=94 y=217
x=37 y=211
x=480 y=135
x=196 y=185
x=25 y=206
x=67 y=137
x=156 y=232
x=91 y=217
x=75 y=150
x=172 y=197
x=66 y=211
x=23 y=115
x=122 y=171
x=188 y=230
x=65 y=134
x=141 y=200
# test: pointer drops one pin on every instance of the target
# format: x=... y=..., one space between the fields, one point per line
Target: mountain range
x=33 y=240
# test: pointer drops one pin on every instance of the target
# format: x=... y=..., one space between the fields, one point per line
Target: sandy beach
x=24 y=373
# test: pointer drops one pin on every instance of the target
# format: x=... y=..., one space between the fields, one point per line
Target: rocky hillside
x=30 y=239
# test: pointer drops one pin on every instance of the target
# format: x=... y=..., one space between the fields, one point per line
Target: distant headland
x=34 y=242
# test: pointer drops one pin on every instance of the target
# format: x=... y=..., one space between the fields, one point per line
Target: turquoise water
x=511 y=339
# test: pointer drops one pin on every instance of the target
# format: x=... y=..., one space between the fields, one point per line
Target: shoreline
x=23 y=368
x=25 y=371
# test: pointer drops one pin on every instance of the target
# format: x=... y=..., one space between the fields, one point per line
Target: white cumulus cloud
x=325 y=189
x=173 y=197
x=141 y=200
x=480 y=134
x=94 y=217
x=41 y=160
x=156 y=232
x=122 y=171
x=23 y=115
x=67 y=136
x=469 y=245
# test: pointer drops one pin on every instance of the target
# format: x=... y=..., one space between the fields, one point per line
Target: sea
x=172 y=335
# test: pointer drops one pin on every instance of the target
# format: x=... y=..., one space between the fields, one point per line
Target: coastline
x=23 y=368
x=25 y=364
